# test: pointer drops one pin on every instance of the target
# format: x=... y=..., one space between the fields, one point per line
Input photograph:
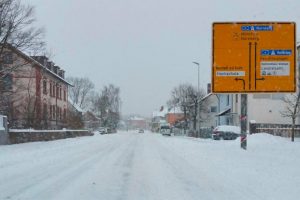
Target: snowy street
x=134 y=166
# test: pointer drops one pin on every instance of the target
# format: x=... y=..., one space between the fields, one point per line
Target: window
x=45 y=113
x=51 y=89
x=227 y=121
x=7 y=58
x=65 y=114
x=236 y=98
x=44 y=86
x=51 y=112
x=57 y=91
x=60 y=93
x=7 y=82
x=65 y=95
x=57 y=112
x=227 y=100
x=60 y=114
x=213 y=109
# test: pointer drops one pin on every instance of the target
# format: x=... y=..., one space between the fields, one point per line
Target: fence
x=205 y=132
x=284 y=130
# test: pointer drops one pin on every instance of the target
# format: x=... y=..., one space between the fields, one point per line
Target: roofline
x=205 y=97
x=36 y=63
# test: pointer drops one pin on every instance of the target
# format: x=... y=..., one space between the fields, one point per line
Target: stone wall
x=19 y=136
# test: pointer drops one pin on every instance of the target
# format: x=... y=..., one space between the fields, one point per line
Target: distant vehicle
x=141 y=130
x=226 y=132
x=165 y=130
x=111 y=130
x=102 y=130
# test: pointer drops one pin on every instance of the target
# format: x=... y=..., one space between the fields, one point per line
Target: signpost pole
x=244 y=121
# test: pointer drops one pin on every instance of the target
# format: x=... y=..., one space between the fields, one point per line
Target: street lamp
x=196 y=63
x=198 y=92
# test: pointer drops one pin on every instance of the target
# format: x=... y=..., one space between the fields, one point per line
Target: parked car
x=165 y=130
x=102 y=130
x=141 y=130
x=226 y=132
x=111 y=130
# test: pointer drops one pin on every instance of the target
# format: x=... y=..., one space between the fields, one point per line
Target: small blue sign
x=257 y=28
x=276 y=52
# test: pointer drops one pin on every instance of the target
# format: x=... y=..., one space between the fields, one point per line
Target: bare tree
x=292 y=110
x=17 y=30
x=187 y=98
x=81 y=90
x=107 y=105
x=17 y=26
x=74 y=119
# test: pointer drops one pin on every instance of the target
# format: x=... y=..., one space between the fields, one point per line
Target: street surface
x=137 y=166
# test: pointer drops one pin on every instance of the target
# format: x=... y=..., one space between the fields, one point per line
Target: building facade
x=35 y=92
x=174 y=114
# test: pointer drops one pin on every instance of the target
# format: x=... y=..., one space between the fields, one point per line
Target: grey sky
x=146 y=47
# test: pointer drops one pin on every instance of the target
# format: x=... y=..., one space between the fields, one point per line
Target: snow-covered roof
x=135 y=118
x=37 y=63
x=206 y=96
x=223 y=112
x=160 y=113
x=76 y=106
x=175 y=110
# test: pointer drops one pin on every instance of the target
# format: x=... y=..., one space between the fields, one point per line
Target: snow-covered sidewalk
x=133 y=166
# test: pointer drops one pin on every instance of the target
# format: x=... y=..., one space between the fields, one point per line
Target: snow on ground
x=129 y=165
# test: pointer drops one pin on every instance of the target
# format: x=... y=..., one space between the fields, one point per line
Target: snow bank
x=268 y=169
x=149 y=166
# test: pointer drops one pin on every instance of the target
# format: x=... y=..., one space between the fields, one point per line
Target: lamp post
x=196 y=63
x=198 y=92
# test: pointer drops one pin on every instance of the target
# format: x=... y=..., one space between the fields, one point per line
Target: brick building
x=34 y=92
x=174 y=115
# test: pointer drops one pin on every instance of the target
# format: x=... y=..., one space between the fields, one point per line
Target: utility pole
x=198 y=93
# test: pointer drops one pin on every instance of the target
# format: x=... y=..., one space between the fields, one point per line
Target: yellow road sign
x=254 y=57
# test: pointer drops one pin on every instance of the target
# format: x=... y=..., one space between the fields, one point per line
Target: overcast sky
x=146 y=47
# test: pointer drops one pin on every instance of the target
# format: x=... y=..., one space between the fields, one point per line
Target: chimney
x=61 y=73
x=208 y=88
x=56 y=69
x=50 y=65
x=41 y=59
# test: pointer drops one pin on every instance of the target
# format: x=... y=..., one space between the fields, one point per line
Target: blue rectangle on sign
x=257 y=28
x=276 y=52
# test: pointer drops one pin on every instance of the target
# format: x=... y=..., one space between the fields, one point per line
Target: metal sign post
x=244 y=121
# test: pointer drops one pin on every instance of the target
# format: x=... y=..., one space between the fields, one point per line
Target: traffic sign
x=254 y=57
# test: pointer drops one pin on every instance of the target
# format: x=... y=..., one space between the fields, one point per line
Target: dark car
x=111 y=130
x=165 y=130
x=141 y=130
x=226 y=132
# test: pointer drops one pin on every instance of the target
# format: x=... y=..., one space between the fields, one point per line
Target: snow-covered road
x=136 y=166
